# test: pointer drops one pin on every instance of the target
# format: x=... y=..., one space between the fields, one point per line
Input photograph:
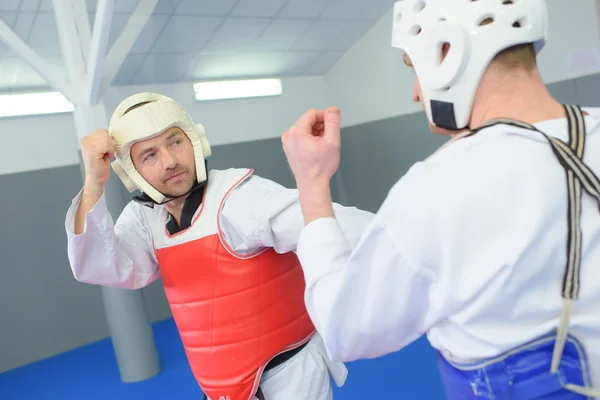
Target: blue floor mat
x=90 y=373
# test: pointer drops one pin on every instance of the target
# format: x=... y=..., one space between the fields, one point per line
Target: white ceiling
x=187 y=40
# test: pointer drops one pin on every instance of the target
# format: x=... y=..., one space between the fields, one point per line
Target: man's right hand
x=97 y=149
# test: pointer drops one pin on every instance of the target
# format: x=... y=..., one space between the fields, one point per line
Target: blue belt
x=520 y=374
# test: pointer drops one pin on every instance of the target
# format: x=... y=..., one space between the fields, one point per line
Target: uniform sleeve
x=108 y=254
x=373 y=298
x=262 y=213
x=448 y=234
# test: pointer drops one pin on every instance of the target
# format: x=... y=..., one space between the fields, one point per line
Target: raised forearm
x=315 y=200
x=89 y=197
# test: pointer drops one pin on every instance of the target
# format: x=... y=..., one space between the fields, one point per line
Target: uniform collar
x=190 y=206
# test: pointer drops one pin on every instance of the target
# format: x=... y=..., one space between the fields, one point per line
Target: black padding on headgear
x=443 y=115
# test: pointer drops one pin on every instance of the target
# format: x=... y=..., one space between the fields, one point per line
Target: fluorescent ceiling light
x=12 y=105
x=237 y=89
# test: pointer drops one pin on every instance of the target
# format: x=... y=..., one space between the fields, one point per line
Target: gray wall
x=376 y=154
x=268 y=160
x=44 y=311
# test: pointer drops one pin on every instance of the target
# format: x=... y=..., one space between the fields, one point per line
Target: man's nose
x=168 y=159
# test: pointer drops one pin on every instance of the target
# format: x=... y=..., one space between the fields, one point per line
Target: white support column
x=82 y=23
x=104 y=11
x=128 y=321
x=70 y=43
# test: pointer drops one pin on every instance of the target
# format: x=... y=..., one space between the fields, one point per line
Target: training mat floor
x=90 y=373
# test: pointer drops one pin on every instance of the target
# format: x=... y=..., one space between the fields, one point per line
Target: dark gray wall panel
x=565 y=92
x=43 y=310
x=588 y=90
x=266 y=157
x=377 y=154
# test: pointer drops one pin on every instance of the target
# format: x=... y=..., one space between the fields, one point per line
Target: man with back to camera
x=223 y=243
x=491 y=246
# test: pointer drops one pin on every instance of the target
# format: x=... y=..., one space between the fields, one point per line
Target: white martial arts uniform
x=469 y=247
x=258 y=213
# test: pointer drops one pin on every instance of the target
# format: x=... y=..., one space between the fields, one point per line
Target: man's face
x=417 y=97
x=166 y=162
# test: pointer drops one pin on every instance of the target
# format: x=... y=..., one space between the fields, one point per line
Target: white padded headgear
x=422 y=27
x=146 y=122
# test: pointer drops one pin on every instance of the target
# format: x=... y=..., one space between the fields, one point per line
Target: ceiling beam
x=123 y=45
x=90 y=72
x=82 y=23
x=104 y=11
x=70 y=43
x=17 y=44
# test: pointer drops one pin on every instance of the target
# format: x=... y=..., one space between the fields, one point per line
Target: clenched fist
x=97 y=149
x=312 y=147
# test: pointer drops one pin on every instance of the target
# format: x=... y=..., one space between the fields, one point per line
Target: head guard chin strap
x=147 y=201
x=145 y=122
x=421 y=28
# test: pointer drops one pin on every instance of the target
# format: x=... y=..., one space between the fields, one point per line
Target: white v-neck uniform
x=469 y=247
x=257 y=214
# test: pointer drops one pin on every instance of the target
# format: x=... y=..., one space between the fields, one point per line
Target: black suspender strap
x=578 y=175
x=576 y=144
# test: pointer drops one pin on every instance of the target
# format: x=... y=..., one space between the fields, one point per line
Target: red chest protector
x=234 y=313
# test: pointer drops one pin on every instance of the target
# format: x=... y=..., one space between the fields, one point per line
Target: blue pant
x=520 y=374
